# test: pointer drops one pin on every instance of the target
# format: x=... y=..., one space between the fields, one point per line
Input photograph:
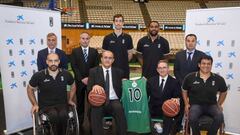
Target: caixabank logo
x=211 y=20
x=19 y=19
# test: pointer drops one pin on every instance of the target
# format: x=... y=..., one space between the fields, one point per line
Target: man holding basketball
x=161 y=88
x=200 y=91
x=107 y=79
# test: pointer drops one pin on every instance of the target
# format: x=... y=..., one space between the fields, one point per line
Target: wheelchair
x=205 y=122
x=42 y=125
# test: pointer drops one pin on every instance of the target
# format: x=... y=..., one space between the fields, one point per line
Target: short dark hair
x=205 y=57
x=191 y=35
x=118 y=16
x=153 y=22
x=51 y=34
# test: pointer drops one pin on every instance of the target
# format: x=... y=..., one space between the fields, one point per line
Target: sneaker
x=107 y=125
x=158 y=127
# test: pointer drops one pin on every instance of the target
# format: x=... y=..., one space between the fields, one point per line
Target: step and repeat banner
x=23 y=33
x=218 y=35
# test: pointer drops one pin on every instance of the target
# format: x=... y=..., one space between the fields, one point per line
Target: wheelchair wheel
x=41 y=126
x=73 y=123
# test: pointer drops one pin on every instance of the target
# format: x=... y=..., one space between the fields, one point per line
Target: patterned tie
x=85 y=55
x=161 y=85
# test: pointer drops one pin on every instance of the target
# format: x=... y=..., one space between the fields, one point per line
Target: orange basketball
x=96 y=99
x=170 y=108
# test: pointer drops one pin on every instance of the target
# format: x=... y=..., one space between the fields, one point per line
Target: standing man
x=51 y=84
x=200 y=91
x=42 y=54
x=161 y=88
x=186 y=60
x=185 y=63
x=120 y=44
x=83 y=59
x=151 y=49
x=109 y=79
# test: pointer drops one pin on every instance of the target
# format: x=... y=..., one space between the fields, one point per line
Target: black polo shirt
x=152 y=52
x=200 y=92
x=119 y=45
x=51 y=91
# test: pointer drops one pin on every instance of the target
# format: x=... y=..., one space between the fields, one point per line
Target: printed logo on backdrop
x=220 y=43
x=211 y=20
x=9 y=41
x=32 y=42
x=19 y=19
x=51 y=21
x=219 y=65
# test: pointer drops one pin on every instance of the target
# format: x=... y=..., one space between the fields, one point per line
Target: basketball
x=96 y=99
x=170 y=108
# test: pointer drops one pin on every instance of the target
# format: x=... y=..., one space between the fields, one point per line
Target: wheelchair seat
x=204 y=123
x=42 y=125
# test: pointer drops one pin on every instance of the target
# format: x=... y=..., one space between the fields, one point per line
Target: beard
x=153 y=33
x=53 y=68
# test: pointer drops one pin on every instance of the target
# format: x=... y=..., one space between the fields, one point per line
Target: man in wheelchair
x=53 y=98
x=199 y=92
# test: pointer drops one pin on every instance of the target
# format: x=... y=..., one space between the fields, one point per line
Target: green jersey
x=135 y=104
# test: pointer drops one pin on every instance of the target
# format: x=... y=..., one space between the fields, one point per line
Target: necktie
x=107 y=85
x=189 y=56
x=85 y=55
x=161 y=85
x=189 y=60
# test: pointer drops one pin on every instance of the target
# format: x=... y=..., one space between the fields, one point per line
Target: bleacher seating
x=102 y=12
x=216 y=4
x=170 y=12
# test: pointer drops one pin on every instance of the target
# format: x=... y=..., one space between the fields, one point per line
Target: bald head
x=53 y=61
x=84 y=39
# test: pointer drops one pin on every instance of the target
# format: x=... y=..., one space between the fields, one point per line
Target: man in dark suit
x=82 y=59
x=107 y=79
x=185 y=63
x=161 y=88
x=42 y=54
x=186 y=60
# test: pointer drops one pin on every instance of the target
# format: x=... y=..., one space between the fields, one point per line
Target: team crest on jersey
x=123 y=41
x=134 y=84
x=213 y=83
x=62 y=78
x=112 y=42
x=159 y=45
x=146 y=45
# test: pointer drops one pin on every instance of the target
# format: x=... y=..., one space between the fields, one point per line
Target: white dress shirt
x=165 y=80
x=187 y=53
x=112 y=93
x=85 y=48
x=51 y=50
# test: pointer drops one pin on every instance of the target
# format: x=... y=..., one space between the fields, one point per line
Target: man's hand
x=187 y=107
x=85 y=80
x=70 y=102
x=98 y=89
x=177 y=100
x=35 y=108
x=220 y=107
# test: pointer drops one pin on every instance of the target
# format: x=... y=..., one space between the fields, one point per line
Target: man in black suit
x=83 y=58
x=107 y=79
x=185 y=63
x=161 y=88
x=42 y=54
x=186 y=60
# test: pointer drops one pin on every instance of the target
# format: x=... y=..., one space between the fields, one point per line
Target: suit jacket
x=80 y=67
x=42 y=56
x=96 y=77
x=172 y=89
x=180 y=68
